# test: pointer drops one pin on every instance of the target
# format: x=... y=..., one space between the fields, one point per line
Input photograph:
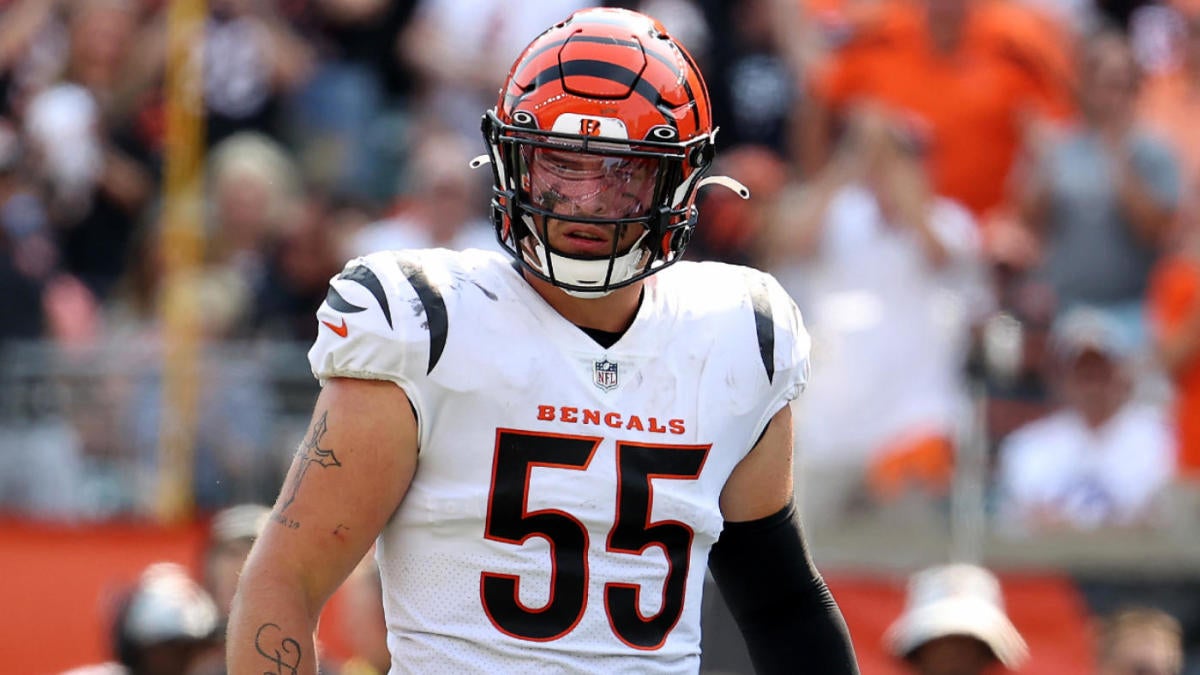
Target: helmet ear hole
x=524 y=118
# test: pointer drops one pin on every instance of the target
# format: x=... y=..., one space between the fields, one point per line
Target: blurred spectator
x=439 y=208
x=251 y=58
x=746 y=48
x=29 y=27
x=26 y=253
x=234 y=425
x=253 y=195
x=954 y=624
x=1104 y=458
x=975 y=73
x=888 y=279
x=347 y=121
x=231 y=533
x=94 y=189
x=459 y=49
x=1009 y=354
x=95 y=180
x=1103 y=195
x=162 y=625
x=101 y=34
x=1140 y=641
x=132 y=312
x=311 y=249
x=1175 y=326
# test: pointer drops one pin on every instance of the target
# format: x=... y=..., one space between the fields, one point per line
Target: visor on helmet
x=609 y=187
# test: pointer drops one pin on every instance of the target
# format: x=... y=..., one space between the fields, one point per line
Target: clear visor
x=575 y=183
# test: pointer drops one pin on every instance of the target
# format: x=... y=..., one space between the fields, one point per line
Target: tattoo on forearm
x=310 y=453
x=283 y=653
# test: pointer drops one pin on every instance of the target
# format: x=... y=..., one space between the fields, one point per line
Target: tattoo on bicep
x=283 y=652
x=310 y=453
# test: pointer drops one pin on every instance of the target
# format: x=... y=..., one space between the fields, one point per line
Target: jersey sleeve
x=368 y=327
x=783 y=344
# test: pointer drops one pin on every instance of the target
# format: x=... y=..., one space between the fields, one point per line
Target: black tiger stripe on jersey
x=336 y=301
x=436 y=319
x=764 y=324
x=363 y=276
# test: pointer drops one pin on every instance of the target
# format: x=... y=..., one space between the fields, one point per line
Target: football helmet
x=603 y=124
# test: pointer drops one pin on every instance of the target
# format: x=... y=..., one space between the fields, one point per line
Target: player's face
x=581 y=185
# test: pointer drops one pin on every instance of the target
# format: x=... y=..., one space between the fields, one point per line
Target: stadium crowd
x=990 y=203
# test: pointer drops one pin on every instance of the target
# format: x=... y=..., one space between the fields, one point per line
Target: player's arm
x=782 y=606
x=349 y=475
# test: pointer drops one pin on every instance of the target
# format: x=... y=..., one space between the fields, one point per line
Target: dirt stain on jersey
x=490 y=295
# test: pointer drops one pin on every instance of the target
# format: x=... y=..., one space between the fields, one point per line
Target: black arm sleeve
x=786 y=613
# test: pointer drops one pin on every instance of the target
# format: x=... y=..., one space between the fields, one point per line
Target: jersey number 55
x=510 y=521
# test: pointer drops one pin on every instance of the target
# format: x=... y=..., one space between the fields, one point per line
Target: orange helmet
x=603 y=106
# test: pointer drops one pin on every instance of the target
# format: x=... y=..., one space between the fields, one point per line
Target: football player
x=551 y=446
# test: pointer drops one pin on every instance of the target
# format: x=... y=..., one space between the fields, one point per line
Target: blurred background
x=987 y=210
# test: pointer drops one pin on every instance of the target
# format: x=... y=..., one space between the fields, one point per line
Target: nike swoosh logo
x=341 y=330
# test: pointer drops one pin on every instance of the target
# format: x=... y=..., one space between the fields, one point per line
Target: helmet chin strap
x=581 y=272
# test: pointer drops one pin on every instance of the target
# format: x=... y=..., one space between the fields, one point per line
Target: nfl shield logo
x=604 y=374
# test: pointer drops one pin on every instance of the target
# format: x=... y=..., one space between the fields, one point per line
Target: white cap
x=1083 y=329
x=956 y=600
x=168 y=605
x=243 y=521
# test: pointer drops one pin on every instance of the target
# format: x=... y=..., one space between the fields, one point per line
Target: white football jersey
x=566 y=494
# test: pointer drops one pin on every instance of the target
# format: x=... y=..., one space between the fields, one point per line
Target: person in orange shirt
x=975 y=71
x=1174 y=304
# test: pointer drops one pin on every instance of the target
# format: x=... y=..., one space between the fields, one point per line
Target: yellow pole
x=182 y=245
